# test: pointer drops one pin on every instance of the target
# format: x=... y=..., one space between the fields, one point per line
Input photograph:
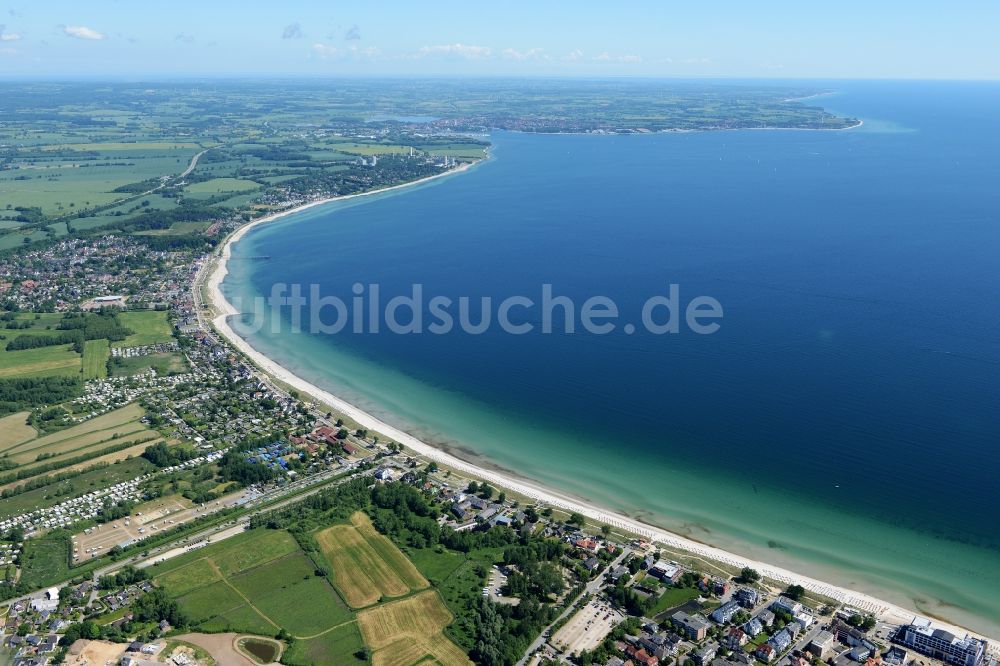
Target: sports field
x=409 y=631
x=366 y=565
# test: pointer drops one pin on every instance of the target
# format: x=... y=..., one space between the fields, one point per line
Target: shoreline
x=216 y=272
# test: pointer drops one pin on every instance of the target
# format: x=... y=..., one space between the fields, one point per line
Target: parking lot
x=588 y=627
x=147 y=519
x=494 y=587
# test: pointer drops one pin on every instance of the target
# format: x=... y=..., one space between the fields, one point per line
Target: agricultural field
x=149 y=327
x=366 y=565
x=15 y=429
x=410 y=631
x=260 y=582
x=217 y=185
x=115 y=427
x=95 y=359
x=257 y=582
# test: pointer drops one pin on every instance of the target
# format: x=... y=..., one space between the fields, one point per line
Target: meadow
x=149 y=327
x=261 y=582
x=56 y=360
x=15 y=429
x=95 y=359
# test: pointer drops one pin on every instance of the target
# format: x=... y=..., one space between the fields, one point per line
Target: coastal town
x=169 y=495
x=615 y=598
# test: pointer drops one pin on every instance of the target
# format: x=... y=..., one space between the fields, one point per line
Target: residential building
x=821 y=645
x=705 y=654
x=695 y=627
x=747 y=597
x=724 y=613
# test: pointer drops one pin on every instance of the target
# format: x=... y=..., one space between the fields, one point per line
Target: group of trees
x=37 y=340
x=162 y=455
x=235 y=467
x=128 y=575
x=114 y=511
x=96 y=325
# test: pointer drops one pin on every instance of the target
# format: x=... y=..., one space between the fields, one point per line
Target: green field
x=673 y=597
x=40 y=362
x=149 y=327
x=95 y=359
x=337 y=646
x=165 y=363
x=45 y=561
x=256 y=582
x=217 y=185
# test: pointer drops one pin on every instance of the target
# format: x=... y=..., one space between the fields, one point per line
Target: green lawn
x=673 y=597
x=95 y=359
x=149 y=328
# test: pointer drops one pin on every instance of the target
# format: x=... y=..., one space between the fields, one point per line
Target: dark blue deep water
x=844 y=419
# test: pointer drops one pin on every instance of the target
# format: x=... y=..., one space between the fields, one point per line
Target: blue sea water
x=844 y=419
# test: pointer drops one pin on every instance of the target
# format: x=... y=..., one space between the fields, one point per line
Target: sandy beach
x=216 y=271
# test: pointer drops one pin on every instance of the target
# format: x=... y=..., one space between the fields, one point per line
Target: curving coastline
x=223 y=309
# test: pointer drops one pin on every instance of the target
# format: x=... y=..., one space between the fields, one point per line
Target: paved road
x=194 y=163
x=591 y=588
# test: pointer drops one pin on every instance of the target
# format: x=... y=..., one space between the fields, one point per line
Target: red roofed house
x=641 y=656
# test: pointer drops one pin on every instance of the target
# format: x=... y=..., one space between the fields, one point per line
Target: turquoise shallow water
x=843 y=420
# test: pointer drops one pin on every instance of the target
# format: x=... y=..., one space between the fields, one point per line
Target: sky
x=921 y=39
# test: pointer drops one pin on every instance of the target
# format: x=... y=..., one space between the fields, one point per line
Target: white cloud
x=8 y=36
x=627 y=59
x=292 y=31
x=467 y=51
x=530 y=54
x=574 y=56
x=82 y=32
x=328 y=51
x=7 y=51
x=184 y=38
